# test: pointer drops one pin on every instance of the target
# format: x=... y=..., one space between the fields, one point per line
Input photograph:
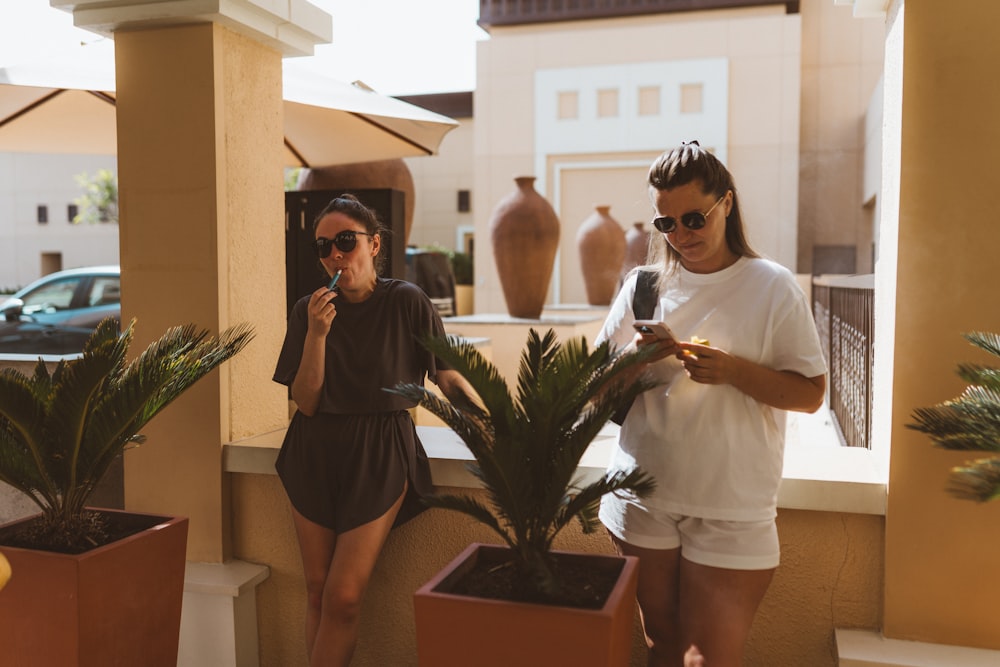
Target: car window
x=51 y=297
x=105 y=291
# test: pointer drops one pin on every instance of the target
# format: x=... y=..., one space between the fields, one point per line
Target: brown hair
x=351 y=206
x=688 y=163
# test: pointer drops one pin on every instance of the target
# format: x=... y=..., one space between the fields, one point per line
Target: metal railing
x=844 y=309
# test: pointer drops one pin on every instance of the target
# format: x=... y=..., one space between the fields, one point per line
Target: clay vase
x=601 y=242
x=636 y=246
x=524 y=231
x=393 y=174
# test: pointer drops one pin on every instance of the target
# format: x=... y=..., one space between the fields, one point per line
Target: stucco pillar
x=940 y=552
x=200 y=187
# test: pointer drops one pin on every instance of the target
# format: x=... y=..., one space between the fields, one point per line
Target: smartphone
x=655 y=327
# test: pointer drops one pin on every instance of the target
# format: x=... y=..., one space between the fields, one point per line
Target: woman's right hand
x=322 y=311
x=665 y=347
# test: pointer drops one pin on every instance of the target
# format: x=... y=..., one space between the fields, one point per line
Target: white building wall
x=587 y=117
x=749 y=62
x=437 y=181
x=30 y=180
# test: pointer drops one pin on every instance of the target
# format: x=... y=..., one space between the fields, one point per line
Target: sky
x=397 y=47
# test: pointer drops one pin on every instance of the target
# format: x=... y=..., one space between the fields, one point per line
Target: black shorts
x=343 y=471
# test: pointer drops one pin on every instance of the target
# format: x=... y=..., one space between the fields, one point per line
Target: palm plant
x=527 y=448
x=970 y=421
x=60 y=432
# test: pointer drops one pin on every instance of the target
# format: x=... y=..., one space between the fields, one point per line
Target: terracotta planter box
x=458 y=631
x=115 y=606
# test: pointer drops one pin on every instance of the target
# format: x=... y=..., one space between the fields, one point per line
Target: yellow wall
x=199 y=132
x=941 y=553
x=830 y=576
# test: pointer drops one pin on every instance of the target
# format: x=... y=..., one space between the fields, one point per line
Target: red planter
x=115 y=606
x=458 y=631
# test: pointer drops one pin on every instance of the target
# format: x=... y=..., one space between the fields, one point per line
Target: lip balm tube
x=333 y=281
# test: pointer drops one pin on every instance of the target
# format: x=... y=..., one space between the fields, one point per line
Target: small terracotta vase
x=636 y=246
x=601 y=242
x=524 y=231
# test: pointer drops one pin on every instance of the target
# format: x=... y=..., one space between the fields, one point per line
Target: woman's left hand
x=785 y=390
x=704 y=364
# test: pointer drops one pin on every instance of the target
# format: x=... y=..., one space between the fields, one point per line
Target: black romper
x=346 y=465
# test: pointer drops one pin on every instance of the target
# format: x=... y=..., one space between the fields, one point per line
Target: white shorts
x=733 y=545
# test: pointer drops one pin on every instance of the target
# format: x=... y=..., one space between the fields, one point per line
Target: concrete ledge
x=867 y=648
x=821 y=477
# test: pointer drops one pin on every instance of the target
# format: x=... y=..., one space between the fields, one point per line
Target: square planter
x=458 y=631
x=115 y=606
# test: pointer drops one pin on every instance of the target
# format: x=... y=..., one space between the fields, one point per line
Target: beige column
x=202 y=241
x=941 y=553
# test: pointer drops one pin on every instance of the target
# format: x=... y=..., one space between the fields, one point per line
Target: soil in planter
x=585 y=584
x=90 y=530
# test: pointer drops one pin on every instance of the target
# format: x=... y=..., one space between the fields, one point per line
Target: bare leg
x=337 y=569
x=718 y=607
x=316 y=545
x=658 y=595
x=684 y=604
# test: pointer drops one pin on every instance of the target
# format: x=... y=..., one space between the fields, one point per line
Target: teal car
x=57 y=313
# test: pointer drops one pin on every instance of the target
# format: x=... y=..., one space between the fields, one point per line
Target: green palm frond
x=59 y=433
x=528 y=446
x=471 y=507
x=584 y=504
x=977 y=480
x=22 y=417
x=970 y=421
x=987 y=341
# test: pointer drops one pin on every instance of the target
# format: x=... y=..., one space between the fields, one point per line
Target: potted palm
x=527 y=449
x=93 y=586
x=970 y=422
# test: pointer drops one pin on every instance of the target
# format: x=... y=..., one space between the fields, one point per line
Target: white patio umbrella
x=67 y=105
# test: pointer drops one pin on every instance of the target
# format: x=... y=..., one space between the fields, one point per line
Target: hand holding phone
x=655 y=328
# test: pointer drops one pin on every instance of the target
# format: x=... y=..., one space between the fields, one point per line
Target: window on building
x=43 y=214
x=691 y=98
x=607 y=103
x=649 y=101
x=568 y=107
x=72 y=210
x=463 y=201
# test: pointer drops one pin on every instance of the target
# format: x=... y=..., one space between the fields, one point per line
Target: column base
x=219 y=615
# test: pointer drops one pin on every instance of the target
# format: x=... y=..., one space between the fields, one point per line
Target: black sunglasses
x=345 y=241
x=692 y=220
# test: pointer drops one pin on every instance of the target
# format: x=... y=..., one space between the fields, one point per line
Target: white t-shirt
x=715 y=452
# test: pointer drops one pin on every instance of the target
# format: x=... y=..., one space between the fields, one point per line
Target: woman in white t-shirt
x=713 y=433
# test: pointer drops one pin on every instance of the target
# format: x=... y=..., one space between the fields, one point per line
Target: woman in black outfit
x=351 y=463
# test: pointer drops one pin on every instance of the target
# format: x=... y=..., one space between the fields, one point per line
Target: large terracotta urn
x=636 y=246
x=393 y=174
x=601 y=242
x=524 y=231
